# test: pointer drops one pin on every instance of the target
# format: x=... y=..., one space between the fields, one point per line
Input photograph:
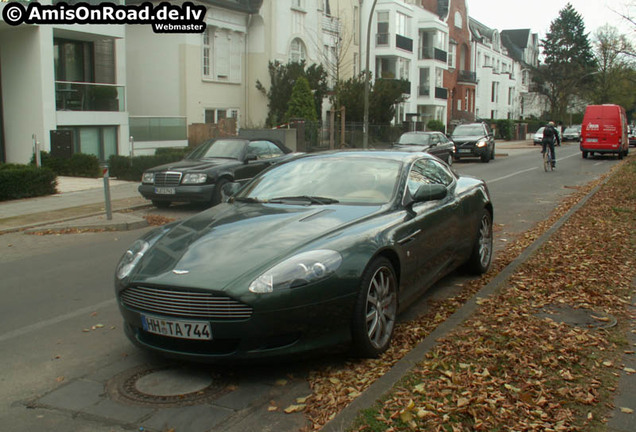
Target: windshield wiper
x=310 y=199
x=247 y=199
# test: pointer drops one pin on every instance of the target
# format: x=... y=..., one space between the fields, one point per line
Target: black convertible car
x=201 y=175
x=320 y=250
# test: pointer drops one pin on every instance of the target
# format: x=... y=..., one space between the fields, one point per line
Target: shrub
x=24 y=181
x=124 y=169
x=504 y=129
x=435 y=125
x=79 y=165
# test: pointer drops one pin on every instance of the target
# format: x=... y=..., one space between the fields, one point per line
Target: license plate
x=592 y=140
x=465 y=151
x=176 y=328
x=165 y=191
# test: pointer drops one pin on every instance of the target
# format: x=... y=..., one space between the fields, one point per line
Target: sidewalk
x=78 y=198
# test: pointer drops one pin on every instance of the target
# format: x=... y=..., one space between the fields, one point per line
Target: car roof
x=388 y=154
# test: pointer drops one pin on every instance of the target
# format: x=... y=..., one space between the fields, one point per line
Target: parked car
x=538 y=136
x=474 y=140
x=324 y=249
x=632 y=136
x=572 y=133
x=435 y=143
x=201 y=175
x=604 y=131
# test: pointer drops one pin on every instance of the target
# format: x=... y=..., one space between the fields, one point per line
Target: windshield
x=226 y=149
x=326 y=180
x=571 y=129
x=415 y=139
x=468 y=130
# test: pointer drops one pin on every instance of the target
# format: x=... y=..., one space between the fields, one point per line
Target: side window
x=274 y=150
x=260 y=149
x=426 y=171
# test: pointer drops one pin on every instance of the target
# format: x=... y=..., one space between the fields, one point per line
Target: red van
x=604 y=130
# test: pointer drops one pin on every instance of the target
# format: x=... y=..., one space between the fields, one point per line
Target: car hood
x=466 y=139
x=218 y=247
x=194 y=165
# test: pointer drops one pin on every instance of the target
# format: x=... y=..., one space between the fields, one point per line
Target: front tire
x=375 y=310
x=217 y=195
x=480 y=258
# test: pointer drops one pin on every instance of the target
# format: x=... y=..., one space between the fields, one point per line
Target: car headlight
x=131 y=258
x=297 y=271
x=482 y=143
x=194 y=178
x=148 y=177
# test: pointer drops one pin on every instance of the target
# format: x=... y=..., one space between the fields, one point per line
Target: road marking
x=56 y=320
x=526 y=170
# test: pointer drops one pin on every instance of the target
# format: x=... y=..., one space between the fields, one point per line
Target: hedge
x=122 y=167
x=79 y=165
x=24 y=181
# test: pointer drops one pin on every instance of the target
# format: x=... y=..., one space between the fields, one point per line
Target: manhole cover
x=578 y=317
x=167 y=386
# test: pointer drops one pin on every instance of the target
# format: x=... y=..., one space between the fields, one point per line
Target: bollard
x=109 y=213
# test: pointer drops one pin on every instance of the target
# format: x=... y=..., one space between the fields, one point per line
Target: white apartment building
x=504 y=61
x=409 y=42
x=62 y=81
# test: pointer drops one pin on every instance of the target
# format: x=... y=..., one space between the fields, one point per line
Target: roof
x=479 y=30
x=516 y=41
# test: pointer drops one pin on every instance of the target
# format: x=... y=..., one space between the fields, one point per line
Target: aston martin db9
x=324 y=249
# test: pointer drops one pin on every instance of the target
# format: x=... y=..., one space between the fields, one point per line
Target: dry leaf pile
x=506 y=367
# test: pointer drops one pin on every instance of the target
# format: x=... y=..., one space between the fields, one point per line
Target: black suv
x=474 y=140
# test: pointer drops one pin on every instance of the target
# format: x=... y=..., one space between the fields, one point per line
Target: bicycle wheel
x=546 y=159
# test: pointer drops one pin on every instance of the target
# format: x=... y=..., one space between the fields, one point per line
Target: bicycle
x=547 y=159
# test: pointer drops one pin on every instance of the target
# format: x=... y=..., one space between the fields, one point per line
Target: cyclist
x=550 y=134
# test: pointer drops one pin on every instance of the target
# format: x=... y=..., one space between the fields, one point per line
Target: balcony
x=404 y=43
x=331 y=24
x=158 y=128
x=441 y=93
x=434 y=54
x=74 y=96
x=467 y=76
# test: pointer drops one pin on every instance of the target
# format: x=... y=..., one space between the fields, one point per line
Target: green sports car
x=324 y=249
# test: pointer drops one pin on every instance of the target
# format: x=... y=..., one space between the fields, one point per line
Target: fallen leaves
x=506 y=368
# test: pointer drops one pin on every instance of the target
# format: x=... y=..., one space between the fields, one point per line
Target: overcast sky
x=538 y=14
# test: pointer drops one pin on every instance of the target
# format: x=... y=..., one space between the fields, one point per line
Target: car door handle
x=409 y=237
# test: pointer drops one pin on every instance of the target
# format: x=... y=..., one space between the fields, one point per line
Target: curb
x=69 y=219
x=345 y=418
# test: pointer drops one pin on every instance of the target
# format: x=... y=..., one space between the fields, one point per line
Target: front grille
x=167 y=178
x=185 y=304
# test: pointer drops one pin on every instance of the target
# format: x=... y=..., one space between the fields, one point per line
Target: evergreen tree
x=282 y=80
x=569 y=62
x=301 y=103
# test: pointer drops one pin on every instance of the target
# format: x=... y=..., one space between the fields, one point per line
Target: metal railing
x=76 y=96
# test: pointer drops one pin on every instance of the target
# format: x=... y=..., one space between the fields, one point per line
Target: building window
x=402 y=24
x=100 y=141
x=298 y=4
x=383 y=28
x=451 y=55
x=510 y=95
x=222 y=55
x=458 y=20
x=297 y=51
x=495 y=90
x=356 y=25
x=213 y=116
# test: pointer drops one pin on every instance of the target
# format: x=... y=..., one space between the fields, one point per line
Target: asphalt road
x=61 y=337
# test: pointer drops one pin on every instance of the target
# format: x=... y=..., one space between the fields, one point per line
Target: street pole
x=367 y=78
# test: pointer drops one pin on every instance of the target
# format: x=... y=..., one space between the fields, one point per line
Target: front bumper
x=265 y=334
x=470 y=151
x=186 y=193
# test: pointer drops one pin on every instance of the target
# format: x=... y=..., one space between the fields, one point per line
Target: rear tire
x=584 y=154
x=481 y=256
x=375 y=310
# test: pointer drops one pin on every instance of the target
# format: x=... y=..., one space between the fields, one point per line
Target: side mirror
x=230 y=189
x=249 y=158
x=426 y=192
